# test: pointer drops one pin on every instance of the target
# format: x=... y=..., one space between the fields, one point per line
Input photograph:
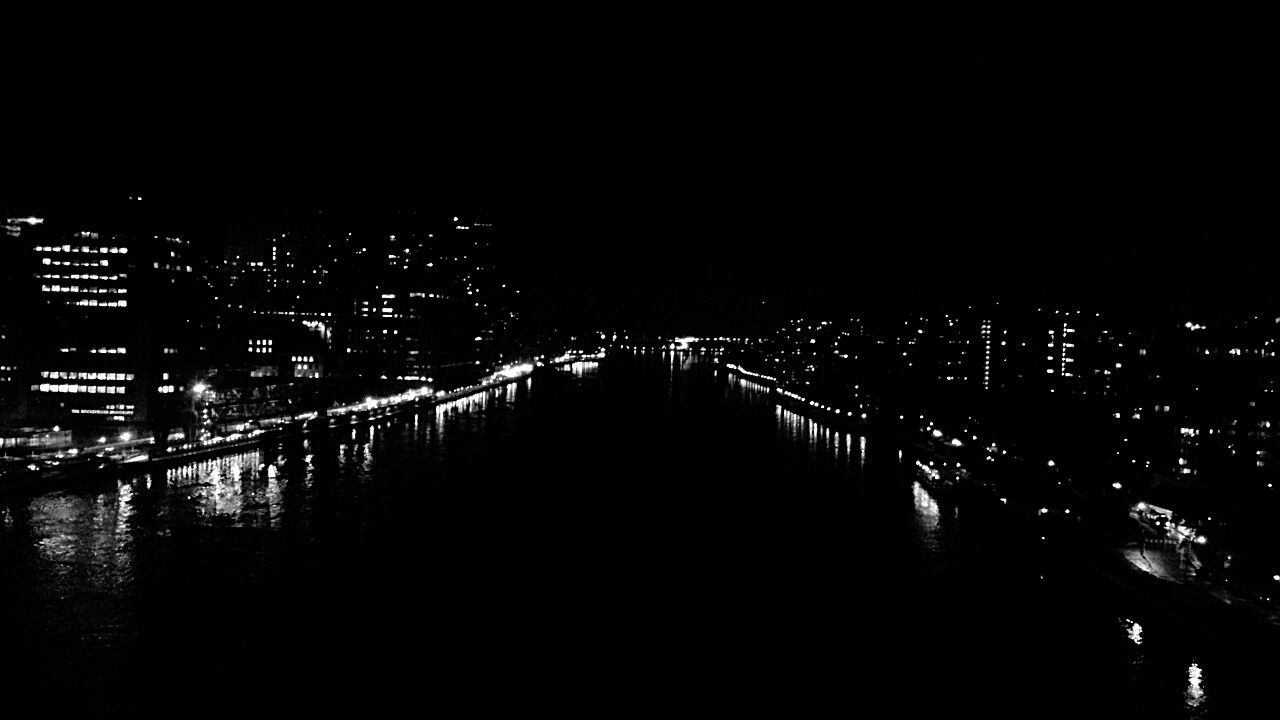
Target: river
x=643 y=532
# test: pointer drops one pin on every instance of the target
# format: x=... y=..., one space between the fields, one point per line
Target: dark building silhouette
x=402 y=300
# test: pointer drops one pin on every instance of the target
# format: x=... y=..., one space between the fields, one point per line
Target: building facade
x=107 y=338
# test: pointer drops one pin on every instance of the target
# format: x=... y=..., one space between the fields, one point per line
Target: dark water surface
x=641 y=533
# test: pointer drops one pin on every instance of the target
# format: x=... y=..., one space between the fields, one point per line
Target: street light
x=199 y=388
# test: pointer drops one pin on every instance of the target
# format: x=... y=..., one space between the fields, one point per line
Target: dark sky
x=1120 y=158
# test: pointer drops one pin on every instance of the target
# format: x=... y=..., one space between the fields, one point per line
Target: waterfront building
x=107 y=336
x=401 y=299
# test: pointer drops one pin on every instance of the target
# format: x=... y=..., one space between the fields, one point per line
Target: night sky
x=683 y=180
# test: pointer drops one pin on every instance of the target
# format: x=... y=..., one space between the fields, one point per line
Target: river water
x=640 y=533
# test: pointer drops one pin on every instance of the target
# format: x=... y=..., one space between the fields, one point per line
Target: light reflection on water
x=820 y=440
x=1133 y=630
x=926 y=507
x=1195 y=686
x=931 y=534
x=583 y=369
x=78 y=534
x=87 y=545
x=933 y=521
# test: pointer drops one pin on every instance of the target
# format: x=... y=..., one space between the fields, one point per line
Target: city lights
x=303 y=375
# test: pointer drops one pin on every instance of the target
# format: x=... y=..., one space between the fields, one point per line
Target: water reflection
x=1133 y=630
x=334 y=495
x=584 y=368
x=1195 y=686
x=821 y=441
x=76 y=535
x=927 y=509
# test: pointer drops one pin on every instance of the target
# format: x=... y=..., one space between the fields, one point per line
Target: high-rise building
x=107 y=336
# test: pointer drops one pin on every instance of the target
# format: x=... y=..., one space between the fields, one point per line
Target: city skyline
x=1096 y=170
x=635 y=364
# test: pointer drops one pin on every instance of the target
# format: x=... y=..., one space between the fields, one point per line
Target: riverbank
x=799 y=403
x=110 y=465
x=645 y=509
x=1198 y=604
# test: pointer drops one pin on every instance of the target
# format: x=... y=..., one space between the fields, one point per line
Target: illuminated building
x=108 y=339
x=428 y=302
x=400 y=299
x=277 y=303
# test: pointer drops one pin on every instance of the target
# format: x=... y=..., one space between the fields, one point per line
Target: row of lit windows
x=77 y=276
x=442 y=296
x=77 y=263
x=83 y=375
x=94 y=302
x=90 y=389
x=83 y=249
x=84 y=289
x=304 y=358
x=289 y=313
x=166 y=389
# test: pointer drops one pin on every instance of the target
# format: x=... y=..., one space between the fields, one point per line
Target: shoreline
x=1213 y=613
x=283 y=426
